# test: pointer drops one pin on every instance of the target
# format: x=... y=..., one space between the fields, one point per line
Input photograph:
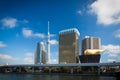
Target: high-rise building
x=37 y=54
x=90 y=43
x=43 y=55
x=40 y=55
x=69 y=45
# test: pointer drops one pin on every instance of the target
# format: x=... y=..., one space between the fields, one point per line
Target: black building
x=90 y=58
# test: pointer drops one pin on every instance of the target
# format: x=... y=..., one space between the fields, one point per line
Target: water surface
x=51 y=77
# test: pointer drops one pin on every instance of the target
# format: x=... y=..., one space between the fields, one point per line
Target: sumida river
x=52 y=77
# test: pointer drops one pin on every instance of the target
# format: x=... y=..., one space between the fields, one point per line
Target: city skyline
x=23 y=23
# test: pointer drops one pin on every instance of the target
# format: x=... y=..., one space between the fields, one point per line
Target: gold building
x=69 y=46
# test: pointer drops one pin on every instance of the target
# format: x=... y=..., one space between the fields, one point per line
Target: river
x=51 y=77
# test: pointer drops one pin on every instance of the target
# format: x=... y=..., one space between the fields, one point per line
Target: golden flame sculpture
x=93 y=51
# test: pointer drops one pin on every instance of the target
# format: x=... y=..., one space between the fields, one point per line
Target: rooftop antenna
x=48 y=27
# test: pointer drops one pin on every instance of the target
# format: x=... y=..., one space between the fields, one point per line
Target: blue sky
x=23 y=23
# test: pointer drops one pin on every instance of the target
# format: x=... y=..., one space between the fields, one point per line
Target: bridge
x=62 y=65
x=43 y=67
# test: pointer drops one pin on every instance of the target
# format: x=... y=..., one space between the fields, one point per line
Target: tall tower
x=69 y=45
x=48 y=44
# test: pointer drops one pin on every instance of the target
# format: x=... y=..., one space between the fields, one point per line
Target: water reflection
x=51 y=77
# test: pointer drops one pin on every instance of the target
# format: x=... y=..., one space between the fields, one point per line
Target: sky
x=23 y=23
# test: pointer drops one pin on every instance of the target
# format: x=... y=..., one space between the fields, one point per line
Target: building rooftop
x=90 y=37
x=71 y=30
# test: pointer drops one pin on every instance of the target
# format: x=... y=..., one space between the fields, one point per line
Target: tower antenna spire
x=48 y=44
x=48 y=27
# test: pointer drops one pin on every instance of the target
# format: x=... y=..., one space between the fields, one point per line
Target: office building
x=69 y=46
x=43 y=55
x=40 y=55
x=90 y=50
x=90 y=43
x=37 y=54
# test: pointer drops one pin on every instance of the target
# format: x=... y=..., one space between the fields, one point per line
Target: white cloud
x=52 y=35
x=25 y=21
x=107 y=11
x=9 y=22
x=54 y=61
x=53 y=42
x=29 y=54
x=7 y=57
x=29 y=33
x=28 y=57
x=113 y=51
x=2 y=44
x=40 y=35
x=28 y=60
x=111 y=60
x=117 y=33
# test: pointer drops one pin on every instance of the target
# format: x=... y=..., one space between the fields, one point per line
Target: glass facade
x=43 y=53
x=90 y=43
x=37 y=54
x=68 y=46
x=40 y=55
